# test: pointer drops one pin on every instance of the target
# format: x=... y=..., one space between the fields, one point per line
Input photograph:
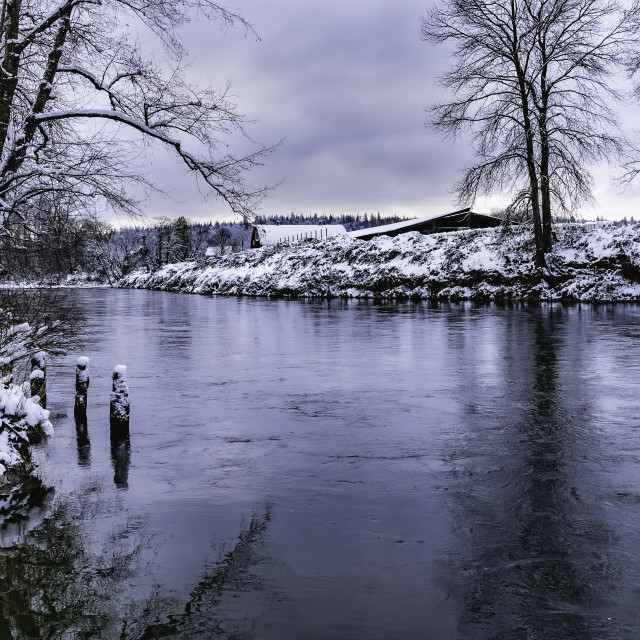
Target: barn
x=270 y=234
x=434 y=223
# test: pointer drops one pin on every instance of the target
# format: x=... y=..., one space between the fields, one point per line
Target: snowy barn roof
x=269 y=234
x=464 y=218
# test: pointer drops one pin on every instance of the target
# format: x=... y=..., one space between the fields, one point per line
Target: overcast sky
x=345 y=83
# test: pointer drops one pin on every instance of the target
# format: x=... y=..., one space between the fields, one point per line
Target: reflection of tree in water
x=527 y=551
x=54 y=586
x=209 y=611
x=58 y=584
x=22 y=507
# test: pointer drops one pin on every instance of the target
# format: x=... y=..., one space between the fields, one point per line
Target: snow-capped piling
x=82 y=385
x=38 y=378
x=120 y=445
x=119 y=398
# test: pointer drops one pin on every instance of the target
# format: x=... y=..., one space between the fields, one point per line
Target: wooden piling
x=38 y=377
x=82 y=385
x=119 y=406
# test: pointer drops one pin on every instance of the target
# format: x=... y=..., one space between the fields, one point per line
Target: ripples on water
x=338 y=470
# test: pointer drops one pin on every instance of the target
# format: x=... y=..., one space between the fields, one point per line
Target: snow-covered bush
x=22 y=422
x=32 y=323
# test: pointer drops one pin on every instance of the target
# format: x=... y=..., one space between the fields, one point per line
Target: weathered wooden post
x=119 y=410
x=38 y=377
x=80 y=412
x=119 y=414
x=82 y=385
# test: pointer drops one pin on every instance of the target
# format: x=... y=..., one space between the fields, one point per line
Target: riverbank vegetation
x=33 y=323
x=488 y=264
x=68 y=250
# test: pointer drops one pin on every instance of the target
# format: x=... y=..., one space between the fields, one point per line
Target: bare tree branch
x=67 y=63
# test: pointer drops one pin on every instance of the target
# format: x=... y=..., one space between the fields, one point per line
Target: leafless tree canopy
x=78 y=93
x=533 y=81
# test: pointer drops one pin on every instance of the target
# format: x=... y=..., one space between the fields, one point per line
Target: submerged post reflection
x=120 y=453
x=82 y=438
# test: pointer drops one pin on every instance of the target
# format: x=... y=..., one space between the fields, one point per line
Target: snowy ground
x=486 y=264
x=78 y=280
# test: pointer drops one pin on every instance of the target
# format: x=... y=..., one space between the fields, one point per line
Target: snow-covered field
x=486 y=264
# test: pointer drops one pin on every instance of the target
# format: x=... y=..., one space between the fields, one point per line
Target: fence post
x=82 y=385
x=119 y=406
x=38 y=377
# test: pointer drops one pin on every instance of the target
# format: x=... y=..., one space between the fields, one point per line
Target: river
x=342 y=469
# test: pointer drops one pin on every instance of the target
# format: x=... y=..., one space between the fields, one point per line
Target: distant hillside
x=487 y=264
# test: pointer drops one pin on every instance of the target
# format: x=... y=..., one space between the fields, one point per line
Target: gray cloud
x=346 y=84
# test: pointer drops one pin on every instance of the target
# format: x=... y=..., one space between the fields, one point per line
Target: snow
x=39 y=359
x=20 y=417
x=83 y=361
x=485 y=264
x=121 y=370
x=9 y=457
x=119 y=401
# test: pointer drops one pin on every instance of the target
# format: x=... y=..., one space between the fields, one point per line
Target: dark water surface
x=343 y=470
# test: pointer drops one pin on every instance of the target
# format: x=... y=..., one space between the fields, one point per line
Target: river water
x=338 y=470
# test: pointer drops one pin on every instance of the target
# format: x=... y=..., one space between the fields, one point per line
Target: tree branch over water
x=76 y=82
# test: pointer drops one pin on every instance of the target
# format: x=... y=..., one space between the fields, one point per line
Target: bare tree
x=534 y=82
x=221 y=239
x=78 y=94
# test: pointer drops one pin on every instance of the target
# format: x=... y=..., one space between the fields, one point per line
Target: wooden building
x=434 y=223
x=268 y=235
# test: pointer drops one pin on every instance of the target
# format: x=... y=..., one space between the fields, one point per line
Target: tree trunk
x=10 y=66
x=531 y=164
x=547 y=239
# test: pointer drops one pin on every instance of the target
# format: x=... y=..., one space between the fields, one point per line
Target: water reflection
x=22 y=508
x=120 y=453
x=82 y=438
x=529 y=536
x=57 y=584
x=212 y=608
x=451 y=472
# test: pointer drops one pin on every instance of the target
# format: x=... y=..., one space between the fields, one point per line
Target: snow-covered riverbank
x=487 y=264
